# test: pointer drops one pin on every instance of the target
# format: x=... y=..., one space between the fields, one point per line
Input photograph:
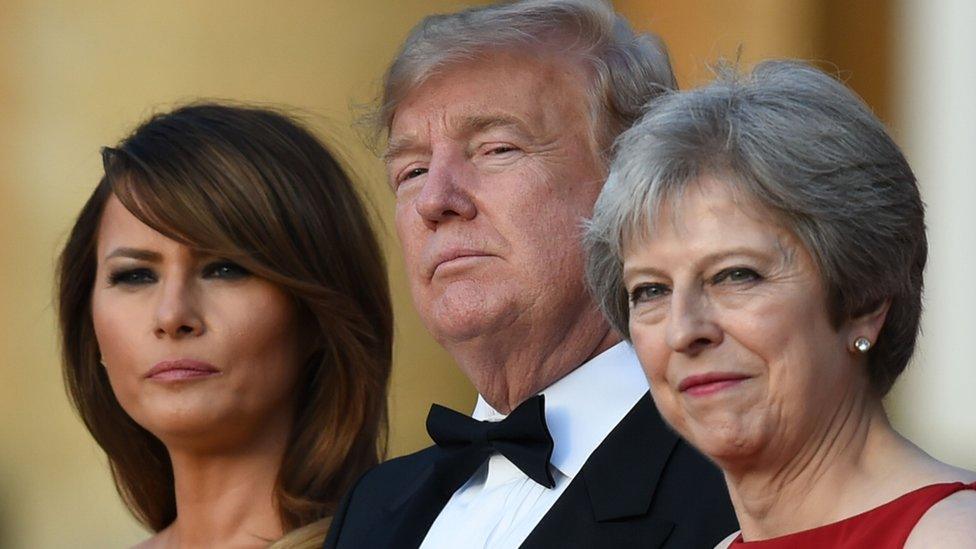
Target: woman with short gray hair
x=761 y=242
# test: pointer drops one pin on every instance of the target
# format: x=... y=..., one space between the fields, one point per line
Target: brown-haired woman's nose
x=176 y=313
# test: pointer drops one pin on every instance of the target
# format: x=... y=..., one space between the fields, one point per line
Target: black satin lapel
x=648 y=533
x=410 y=491
x=622 y=474
x=407 y=530
x=412 y=515
x=607 y=504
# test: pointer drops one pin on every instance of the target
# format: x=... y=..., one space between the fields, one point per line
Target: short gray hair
x=807 y=149
x=627 y=69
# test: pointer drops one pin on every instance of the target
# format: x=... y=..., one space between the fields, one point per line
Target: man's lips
x=184 y=368
x=446 y=257
x=705 y=384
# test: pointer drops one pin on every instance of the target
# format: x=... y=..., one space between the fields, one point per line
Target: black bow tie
x=522 y=437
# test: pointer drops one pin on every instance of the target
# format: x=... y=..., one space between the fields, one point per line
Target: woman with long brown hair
x=226 y=328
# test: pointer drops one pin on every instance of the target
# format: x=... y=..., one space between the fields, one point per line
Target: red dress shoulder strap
x=887 y=526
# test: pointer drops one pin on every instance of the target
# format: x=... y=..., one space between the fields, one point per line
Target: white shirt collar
x=585 y=405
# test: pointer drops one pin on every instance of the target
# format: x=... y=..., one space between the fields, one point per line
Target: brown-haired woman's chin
x=226 y=327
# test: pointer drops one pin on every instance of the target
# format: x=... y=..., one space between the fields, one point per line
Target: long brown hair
x=256 y=187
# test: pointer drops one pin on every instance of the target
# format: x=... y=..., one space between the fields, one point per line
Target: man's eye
x=416 y=172
x=736 y=274
x=132 y=277
x=648 y=292
x=226 y=270
x=501 y=149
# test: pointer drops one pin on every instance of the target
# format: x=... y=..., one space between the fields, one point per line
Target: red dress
x=887 y=526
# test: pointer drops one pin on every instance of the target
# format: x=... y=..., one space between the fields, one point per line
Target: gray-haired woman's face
x=728 y=316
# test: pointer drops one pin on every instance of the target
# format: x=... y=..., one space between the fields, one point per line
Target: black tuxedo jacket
x=642 y=487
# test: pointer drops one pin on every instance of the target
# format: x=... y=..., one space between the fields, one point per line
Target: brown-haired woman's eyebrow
x=135 y=253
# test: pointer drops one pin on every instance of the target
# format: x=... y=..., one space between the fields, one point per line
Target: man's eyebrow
x=468 y=125
x=400 y=145
x=135 y=253
x=475 y=124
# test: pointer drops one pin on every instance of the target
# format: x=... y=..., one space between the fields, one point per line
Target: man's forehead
x=406 y=136
x=454 y=106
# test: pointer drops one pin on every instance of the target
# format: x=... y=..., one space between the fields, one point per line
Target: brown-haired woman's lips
x=180 y=369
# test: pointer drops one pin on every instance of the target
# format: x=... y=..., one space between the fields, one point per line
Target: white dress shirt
x=500 y=506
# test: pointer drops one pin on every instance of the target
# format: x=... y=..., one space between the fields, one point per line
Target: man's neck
x=506 y=371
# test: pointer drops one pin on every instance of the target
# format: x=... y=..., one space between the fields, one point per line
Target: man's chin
x=450 y=332
x=462 y=314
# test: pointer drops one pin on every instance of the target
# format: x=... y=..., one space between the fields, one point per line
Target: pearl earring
x=862 y=344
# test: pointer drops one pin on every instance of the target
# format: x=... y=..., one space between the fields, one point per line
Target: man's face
x=494 y=167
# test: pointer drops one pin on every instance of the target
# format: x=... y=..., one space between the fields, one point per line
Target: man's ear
x=868 y=325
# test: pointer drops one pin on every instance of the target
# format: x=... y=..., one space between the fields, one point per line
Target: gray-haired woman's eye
x=648 y=292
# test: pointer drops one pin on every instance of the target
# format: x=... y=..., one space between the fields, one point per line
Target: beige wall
x=934 y=82
x=75 y=75
x=698 y=32
x=853 y=38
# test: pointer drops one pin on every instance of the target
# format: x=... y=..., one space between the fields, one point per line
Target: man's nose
x=691 y=327
x=177 y=312
x=446 y=193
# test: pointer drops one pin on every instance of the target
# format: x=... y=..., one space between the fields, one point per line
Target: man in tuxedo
x=500 y=121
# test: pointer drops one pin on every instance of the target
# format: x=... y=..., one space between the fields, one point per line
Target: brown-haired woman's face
x=198 y=351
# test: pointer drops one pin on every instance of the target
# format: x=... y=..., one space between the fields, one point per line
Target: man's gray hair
x=626 y=69
x=806 y=150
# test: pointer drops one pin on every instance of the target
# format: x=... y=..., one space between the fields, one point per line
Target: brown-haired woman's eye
x=132 y=277
x=227 y=270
